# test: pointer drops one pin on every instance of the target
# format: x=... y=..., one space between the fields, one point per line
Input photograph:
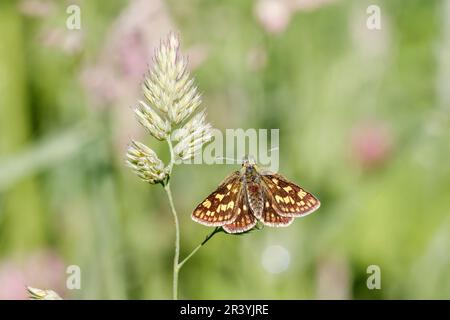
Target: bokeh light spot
x=275 y=259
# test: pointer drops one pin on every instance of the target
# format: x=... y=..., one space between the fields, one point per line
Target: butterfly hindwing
x=270 y=216
x=290 y=200
x=245 y=220
x=220 y=207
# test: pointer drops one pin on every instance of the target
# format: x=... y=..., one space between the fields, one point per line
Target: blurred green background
x=364 y=124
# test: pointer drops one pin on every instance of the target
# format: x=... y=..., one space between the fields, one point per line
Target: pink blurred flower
x=371 y=143
x=273 y=15
x=12 y=282
x=132 y=54
x=41 y=269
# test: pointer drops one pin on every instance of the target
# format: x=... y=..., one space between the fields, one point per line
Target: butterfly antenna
x=225 y=158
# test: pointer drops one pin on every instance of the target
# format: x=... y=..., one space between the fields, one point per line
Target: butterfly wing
x=270 y=216
x=219 y=207
x=245 y=220
x=290 y=200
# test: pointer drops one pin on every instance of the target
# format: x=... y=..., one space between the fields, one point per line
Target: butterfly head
x=248 y=161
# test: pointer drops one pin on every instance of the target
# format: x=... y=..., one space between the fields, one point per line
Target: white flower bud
x=39 y=294
x=145 y=163
x=192 y=136
x=168 y=86
x=157 y=127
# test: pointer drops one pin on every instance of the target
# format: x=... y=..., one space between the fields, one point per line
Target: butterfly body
x=253 y=190
x=248 y=196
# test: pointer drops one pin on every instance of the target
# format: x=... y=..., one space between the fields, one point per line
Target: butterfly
x=248 y=196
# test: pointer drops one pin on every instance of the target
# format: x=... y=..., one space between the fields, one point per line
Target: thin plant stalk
x=176 y=259
x=198 y=247
x=177 y=242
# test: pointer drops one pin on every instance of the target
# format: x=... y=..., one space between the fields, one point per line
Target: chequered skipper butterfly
x=248 y=196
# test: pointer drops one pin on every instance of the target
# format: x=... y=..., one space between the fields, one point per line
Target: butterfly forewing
x=290 y=200
x=220 y=207
x=245 y=220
